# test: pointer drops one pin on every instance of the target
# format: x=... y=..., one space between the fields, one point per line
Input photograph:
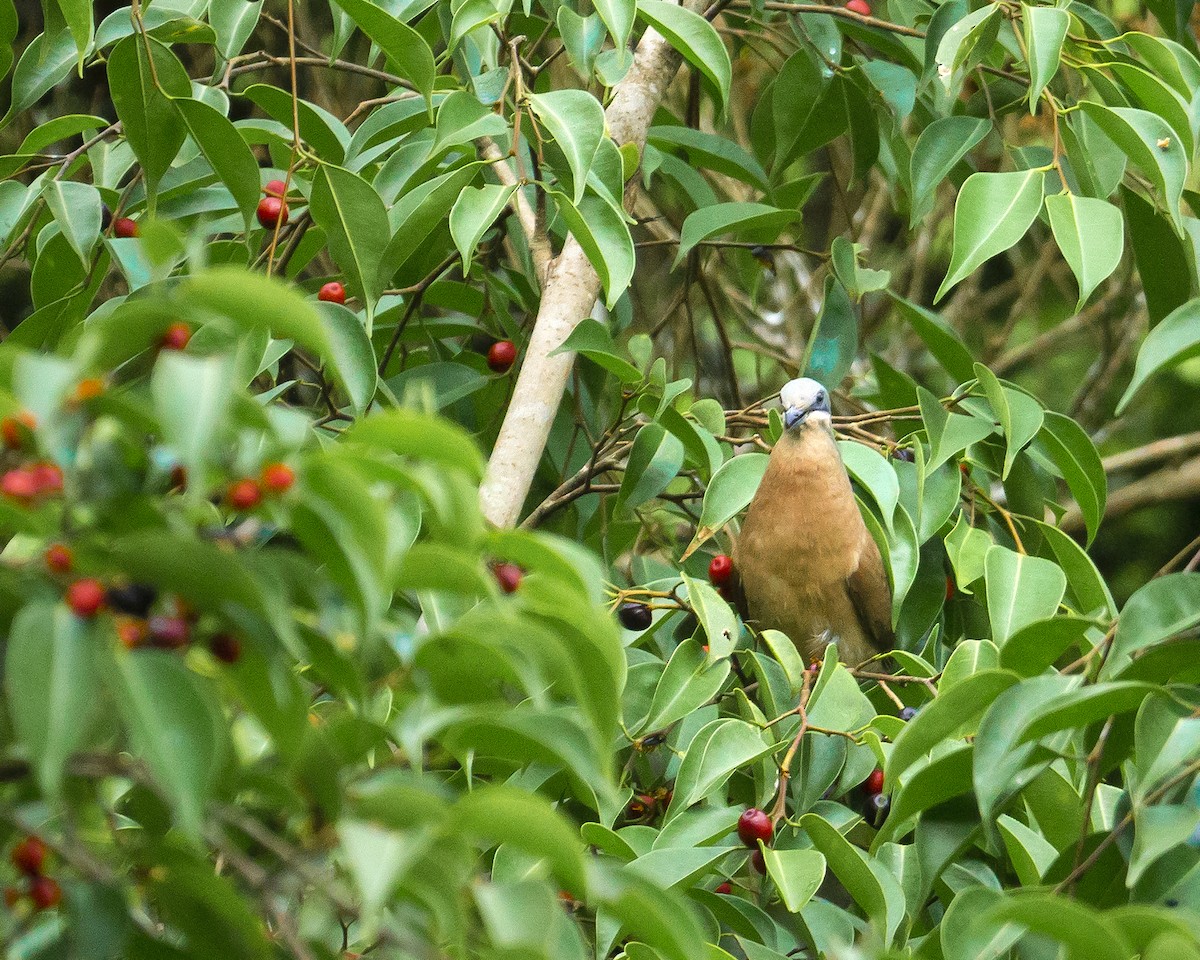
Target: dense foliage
x=273 y=685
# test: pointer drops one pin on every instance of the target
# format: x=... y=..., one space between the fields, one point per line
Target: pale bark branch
x=539 y=243
x=568 y=296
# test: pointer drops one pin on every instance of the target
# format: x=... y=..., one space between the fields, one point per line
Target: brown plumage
x=807 y=563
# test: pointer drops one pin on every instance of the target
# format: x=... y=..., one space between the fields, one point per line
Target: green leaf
x=592 y=339
x=797 y=875
x=324 y=133
x=718 y=749
x=475 y=210
x=1091 y=235
x=76 y=209
x=43 y=64
x=1078 y=709
x=582 y=36
x=141 y=94
x=867 y=881
x=653 y=463
x=949 y=433
x=716 y=618
x=1020 y=590
x=694 y=38
x=604 y=236
x=175 y=725
x=192 y=398
x=1175 y=339
x=1045 y=29
x=49 y=675
x=992 y=213
x=965 y=44
x=575 y=121
x=938 y=150
x=503 y=814
x=874 y=473
x=1030 y=853
x=1161 y=609
x=355 y=222
x=226 y=152
x=406 y=49
x=711 y=151
x=733 y=217
x=1138 y=133
x=833 y=342
x=938 y=336
x=414 y=434
x=729 y=493
x=1086 y=933
x=378 y=858
x=1072 y=451
x=794 y=118
x=1019 y=414
x=689 y=681
x=618 y=16
x=953 y=709
x=8 y=33
x=350 y=353
x=1034 y=647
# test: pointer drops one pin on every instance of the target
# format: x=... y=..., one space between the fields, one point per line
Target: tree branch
x=569 y=295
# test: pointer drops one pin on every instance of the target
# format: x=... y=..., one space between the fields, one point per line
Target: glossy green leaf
x=938 y=150
x=406 y=49
x=76 y=208
x=718 y=749
x=797 y=875
x=689 y=681
x=226 y=152
x=732 y=217
x=175 y=724
x=992 y=213
x=1175 y=339
x=50 y=677
x=354 y=219
x=833 y=343
x=730 y=492
x=1045 y=28
x=350 y=353
x=694 y=38
x=653 y=463
x=1081 y=708
x=1139 y=134
x=604 y=236
x=711 y=151
x=142 y=95
x=473 y=213
x=1091 y=235
x=875 y=474
x=1020 y=590
x=575 y=121
x=1158 y=611
x=618 y=16
x=1073 y=452
x=192 y=397
x=958 y=707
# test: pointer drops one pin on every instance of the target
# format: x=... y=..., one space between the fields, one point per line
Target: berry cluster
x=247 y=493
x=29 y=857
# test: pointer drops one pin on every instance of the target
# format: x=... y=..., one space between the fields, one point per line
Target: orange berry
x=176 y=336
x=277 y=477
x=133 y=632
x=15 y=428
x=89 y=389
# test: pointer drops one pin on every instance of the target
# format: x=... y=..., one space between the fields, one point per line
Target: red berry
x=873 y=785
x=754 y=825
x=501 y=356
x=29 y=856
x=58 y=557
x=125 y=228
x=179 y=477
x=720 y=570
x=176 y=336
x=277 y=478
x=85 y=597
x=725 y=887
x=44 y=892
x=949 y=588
x=19 y=484
x=508 y=575
x=170 y=633
x=88 y=389
x=758 y=861
x=332 y=292
x=12 y=896
x=15 y=428
x=272 y=210
x=133 y=632
x=861 y=7
x=48 y=477
x=244 y=494
x=225 y=647
x=275 y=188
